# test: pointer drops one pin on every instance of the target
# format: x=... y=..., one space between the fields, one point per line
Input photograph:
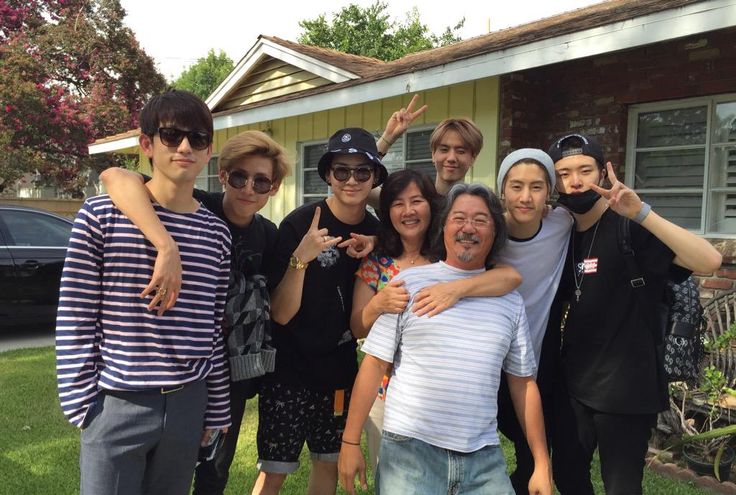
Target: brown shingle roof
x=359 y=65
x=370 y=69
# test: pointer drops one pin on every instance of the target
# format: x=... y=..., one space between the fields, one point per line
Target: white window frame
x=710 y=102
x=305 y=144
x=206 y=176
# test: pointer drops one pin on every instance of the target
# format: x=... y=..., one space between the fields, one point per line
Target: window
x=411 y=151
x=29 y=228
x=683 y=161
x=208 y=180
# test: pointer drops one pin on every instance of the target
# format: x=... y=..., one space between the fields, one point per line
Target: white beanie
x=525 y=154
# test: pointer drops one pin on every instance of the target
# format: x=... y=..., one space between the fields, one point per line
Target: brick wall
x=592 y=96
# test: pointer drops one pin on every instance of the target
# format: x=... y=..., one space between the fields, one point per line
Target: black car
x=32 y=249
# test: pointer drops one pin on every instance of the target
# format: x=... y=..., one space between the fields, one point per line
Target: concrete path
x=20 y=338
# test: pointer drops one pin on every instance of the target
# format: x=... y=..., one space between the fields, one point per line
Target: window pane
x=667 y=169
x=682 y=209
x=313 y=153
x=722 y=208
x=424 y=167
x=394 y=159
x=722 y=212
x=417 y=145
x=313 y=183
x=724 y=126
x=723 y=167
x=36 y=229
x=672 y=127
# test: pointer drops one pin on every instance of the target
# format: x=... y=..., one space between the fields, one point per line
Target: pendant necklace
x=579 y=283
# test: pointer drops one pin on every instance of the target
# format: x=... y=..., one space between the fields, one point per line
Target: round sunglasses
x=360 y=174
x=260 y=183
x=171 y=136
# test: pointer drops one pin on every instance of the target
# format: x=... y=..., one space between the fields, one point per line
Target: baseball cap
x=576 y=144
x=349 y=141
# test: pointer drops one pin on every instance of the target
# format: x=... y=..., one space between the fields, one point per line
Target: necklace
x=414 y=258
x=579 y=283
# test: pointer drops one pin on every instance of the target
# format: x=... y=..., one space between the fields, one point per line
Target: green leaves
x=203 y=77
x=369 y=32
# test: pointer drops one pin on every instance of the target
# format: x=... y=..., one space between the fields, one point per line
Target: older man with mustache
x=440 y=422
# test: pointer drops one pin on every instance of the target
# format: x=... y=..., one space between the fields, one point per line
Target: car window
x=27 y=228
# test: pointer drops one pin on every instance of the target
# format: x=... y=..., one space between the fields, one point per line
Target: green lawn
x=39 y=450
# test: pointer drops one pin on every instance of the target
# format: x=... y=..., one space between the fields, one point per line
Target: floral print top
x=377 y=270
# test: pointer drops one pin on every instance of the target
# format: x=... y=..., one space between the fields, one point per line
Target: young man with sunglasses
x=251 y=169
x=146 y=390
x=614 y=383
x=306 y=398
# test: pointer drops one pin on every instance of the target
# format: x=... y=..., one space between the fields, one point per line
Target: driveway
x=20 y=338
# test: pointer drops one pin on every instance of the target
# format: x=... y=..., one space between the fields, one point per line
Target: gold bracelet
x=385 y=141
x=296 y=263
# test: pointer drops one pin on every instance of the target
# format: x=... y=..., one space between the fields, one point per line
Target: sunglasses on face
x=360 y=174
x=171 y=136
x=260 y=183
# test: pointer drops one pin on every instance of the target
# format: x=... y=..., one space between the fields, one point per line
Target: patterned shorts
x=289 y=415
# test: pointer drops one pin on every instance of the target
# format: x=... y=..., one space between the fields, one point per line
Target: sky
x=176 y=33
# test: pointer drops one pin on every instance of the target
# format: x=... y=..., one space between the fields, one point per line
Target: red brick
x=727 y=274
x=717 y=283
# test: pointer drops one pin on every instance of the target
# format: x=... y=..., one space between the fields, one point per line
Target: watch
x=296 y=263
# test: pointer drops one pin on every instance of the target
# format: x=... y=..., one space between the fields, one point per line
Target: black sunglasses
x=260 y=183
x=361 y=174
x=171 y=136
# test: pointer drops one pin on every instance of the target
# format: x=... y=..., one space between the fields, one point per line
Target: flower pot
x=701 y=466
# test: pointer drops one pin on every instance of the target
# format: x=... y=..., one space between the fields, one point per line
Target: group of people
x=480 y=313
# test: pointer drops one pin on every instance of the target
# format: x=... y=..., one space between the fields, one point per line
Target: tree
x=203 y=77
x=369 y=32
x=70 y=72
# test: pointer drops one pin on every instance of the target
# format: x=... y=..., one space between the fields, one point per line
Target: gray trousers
x=142 y=442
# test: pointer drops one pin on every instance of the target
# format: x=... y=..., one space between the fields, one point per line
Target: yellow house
x=508 y=82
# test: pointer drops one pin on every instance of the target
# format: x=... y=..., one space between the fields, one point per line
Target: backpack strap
x=627 y=250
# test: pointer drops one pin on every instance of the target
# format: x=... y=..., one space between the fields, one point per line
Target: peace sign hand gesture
x=315 y=240
x=621 y=199
x=400 y=121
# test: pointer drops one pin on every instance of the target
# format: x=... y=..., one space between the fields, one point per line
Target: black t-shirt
x=316 y=349
x=609 y=350
x=248 y=303
x=253 y=246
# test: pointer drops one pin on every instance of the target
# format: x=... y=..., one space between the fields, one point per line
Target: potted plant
x=703 y=424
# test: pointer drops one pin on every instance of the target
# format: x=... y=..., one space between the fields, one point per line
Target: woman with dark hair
x=409 y=209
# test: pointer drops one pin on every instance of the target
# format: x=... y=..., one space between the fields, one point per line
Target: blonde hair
x=255 y=143
x=466 y=128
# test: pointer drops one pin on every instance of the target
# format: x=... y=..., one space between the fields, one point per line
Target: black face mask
x=579 y=203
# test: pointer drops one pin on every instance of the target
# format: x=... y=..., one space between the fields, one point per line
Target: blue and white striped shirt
x=106 y=338
x=447 y=368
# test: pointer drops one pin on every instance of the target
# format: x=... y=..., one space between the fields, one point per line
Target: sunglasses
x=171 y=136
x=361 y=174
x=260 y=183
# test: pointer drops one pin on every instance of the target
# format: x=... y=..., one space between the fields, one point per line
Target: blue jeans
x=410 y=466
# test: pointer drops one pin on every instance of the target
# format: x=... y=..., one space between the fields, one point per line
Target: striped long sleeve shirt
x=106 y=338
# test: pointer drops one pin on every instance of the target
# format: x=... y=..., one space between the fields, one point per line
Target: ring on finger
x=325 y=238
x=162 y=292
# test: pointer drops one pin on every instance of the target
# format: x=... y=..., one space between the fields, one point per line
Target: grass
x=39 y=450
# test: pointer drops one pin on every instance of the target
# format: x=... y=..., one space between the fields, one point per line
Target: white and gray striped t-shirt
x=447 y=368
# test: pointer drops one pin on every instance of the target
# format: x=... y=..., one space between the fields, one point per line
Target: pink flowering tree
x=70 y=73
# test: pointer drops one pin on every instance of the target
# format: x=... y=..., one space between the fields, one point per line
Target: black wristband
x=350 y=443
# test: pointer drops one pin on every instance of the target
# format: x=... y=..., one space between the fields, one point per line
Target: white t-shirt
x=540 y=260
x=447 y=368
